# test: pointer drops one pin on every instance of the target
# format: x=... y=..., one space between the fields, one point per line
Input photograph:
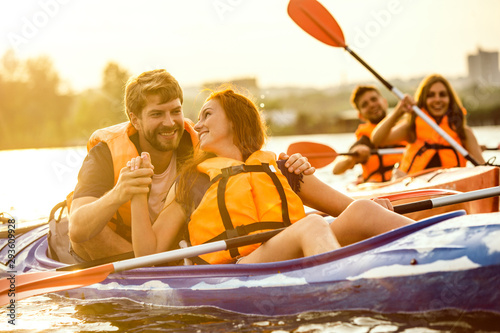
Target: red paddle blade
x=31 y=284
x=319 y=155
x=315 y=19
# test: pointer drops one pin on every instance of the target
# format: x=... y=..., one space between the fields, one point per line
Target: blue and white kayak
x=450 y=261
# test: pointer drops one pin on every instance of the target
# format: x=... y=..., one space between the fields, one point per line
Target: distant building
x=483 y=67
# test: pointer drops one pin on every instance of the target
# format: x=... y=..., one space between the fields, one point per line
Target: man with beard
x=99 y=219
x=372 y=108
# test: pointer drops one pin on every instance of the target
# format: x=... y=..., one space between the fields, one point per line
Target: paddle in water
x=314 y=19
x=320 y=155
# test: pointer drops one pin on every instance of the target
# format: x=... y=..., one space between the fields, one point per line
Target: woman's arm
x=159 y=237
x=472 y=146
x=389 y=131
x=318 y=195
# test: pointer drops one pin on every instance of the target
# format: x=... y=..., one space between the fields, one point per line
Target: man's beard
x=165 y=146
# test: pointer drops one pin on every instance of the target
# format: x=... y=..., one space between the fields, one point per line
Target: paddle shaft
x=174 y=255
x=448 y=200
x=382 y=151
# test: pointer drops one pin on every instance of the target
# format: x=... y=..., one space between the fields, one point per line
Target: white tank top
x=159 y=188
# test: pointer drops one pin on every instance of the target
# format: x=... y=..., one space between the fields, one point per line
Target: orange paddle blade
x=314 y=19
x=31 y=284
x=319 y=155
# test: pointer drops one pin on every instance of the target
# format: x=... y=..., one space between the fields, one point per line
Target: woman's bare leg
x=308 y=236
x=364 y=219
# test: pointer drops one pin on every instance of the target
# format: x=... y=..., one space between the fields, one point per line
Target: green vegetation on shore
x=38 y=110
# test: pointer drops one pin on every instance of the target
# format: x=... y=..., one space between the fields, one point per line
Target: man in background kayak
x=372 y=108
x=99 y=219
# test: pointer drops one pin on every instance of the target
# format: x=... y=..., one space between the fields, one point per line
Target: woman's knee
x=362 y=207
x=313 y=222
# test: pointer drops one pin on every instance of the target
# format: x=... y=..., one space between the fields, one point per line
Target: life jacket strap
x=382 y=169
x=435 y=146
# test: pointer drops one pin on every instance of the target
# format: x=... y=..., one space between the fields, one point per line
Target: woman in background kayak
x=234 y=188
x=426 y=148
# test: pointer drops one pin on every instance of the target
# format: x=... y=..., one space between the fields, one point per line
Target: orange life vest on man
x=428 y=142
x=378 y=168
x=243 y=198
x=122 y=149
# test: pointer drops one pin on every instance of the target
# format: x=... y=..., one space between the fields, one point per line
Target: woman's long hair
x=456 y=118
x=249 y=136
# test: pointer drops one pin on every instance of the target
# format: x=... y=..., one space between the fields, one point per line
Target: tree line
x=37 y=110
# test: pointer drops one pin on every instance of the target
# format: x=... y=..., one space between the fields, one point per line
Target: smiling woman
x=426 y=148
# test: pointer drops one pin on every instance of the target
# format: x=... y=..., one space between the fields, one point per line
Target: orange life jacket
x=428 y=142
x=378 y=168
x=256 y=197
x=122 y=149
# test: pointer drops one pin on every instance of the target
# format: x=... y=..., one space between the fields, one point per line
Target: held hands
x=297 y=164
x=134 y=178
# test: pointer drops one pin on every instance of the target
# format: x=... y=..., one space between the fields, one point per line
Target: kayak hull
x=445 y=262
x=453 y=179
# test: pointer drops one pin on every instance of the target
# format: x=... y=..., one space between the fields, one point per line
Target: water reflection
x=57 y=314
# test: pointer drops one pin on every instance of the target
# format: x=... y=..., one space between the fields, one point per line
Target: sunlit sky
x=206 y=40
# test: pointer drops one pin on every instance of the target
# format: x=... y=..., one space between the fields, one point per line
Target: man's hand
x=134 y=178
x=362 y=153
x=297 y=164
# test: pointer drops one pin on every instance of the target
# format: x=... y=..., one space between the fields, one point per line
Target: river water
x=32 y=181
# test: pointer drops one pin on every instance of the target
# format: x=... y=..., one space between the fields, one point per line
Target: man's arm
x=94 y=204
x=362 y=148
x=105 y=244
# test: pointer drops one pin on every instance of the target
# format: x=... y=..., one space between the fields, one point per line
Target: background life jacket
x=378 y=168
x=428 y=142
x=242 y=199
x=122 y=149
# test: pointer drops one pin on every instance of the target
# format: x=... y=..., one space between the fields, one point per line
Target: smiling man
x=372 y=108
x=99 y=221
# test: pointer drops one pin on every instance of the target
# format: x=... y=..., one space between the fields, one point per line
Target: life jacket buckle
x=233 y=170
x=236 y=232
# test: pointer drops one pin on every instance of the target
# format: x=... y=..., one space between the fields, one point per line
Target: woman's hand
x=386 y=203
x=297 y=164
x=143 y=161
x=405 y=105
